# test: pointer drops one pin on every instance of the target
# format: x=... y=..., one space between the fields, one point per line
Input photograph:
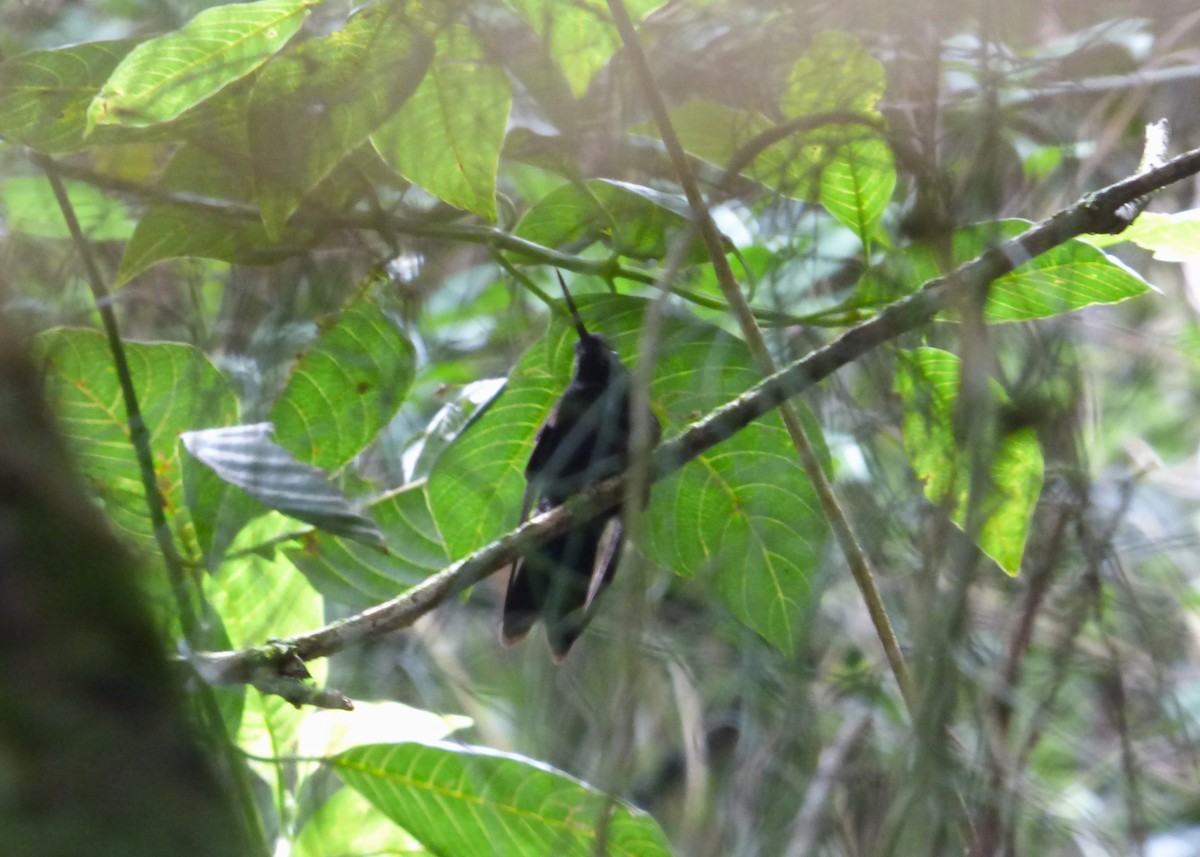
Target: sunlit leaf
x=344 y=388
x=1172 y=237
x=259 y=598
x=347 y=823
x=447 y=137
x=177 y=388
x=857 y=183
x=161 y=78
x=1068 y=277
x=470 y=800
x=928 y=382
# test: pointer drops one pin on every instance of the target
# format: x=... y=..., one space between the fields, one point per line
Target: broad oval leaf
x=246 y=457
x=344 y=388
x=447 y=137
x=743 y=512
x=315 y=105
x=162 y=78
x=927 y=380
x=177 y=387
x=471 y=800
x=857 y=184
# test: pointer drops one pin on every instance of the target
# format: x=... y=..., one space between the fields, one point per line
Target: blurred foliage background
x=371 y=295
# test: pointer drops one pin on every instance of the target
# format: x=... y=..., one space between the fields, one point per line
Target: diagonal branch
x=1096 y=212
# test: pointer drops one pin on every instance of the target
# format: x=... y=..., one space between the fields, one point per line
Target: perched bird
x=585 y=439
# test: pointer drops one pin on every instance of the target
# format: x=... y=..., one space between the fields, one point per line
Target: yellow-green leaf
x=165 y=76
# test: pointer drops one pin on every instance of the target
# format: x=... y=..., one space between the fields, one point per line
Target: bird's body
x=583 y=441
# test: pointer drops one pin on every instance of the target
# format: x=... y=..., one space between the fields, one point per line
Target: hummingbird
x=585 y=439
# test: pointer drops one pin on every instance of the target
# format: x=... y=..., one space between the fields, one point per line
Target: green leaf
x=1171 y=237
x=743 y=512
x=347 y=823
x=857 y=184
x=315 y=105
x=447 y=137
x=580 y=36
x=177 y=388
x=470 y=800
x=218 y=510
x=246 y=457
x=326 y=732
x=835 y=73
x=355 y=575
x=636 y=221
x=260 y=598
x=716 y=132
x=344 y=388
x=849 y=165
x=1068 y=277
x=163 y=77
x=927 y=380
x=44 y=95
x=31 y=207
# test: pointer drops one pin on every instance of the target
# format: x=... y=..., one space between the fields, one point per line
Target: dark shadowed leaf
x=245 y=456
x=315 y=105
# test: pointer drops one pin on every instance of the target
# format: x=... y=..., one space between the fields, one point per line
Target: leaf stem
x=139 y=434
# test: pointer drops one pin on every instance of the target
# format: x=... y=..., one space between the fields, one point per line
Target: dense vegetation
x=941 y=601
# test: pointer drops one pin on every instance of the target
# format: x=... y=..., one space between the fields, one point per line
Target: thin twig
x=390 y=225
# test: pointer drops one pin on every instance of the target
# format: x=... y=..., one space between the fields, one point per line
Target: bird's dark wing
x=523 y=597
